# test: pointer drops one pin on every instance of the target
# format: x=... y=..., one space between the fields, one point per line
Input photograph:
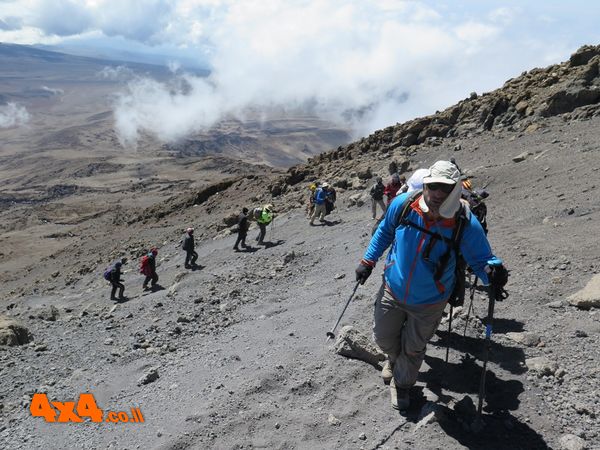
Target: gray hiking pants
x=374 y=204
x=319 y=212
x=402 y=332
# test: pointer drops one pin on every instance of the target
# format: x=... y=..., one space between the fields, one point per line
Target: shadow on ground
x=509 y=358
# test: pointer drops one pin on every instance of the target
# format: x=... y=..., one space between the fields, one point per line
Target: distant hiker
x=263 y=216
x=148 y=268
x=310 y=206
x=113 y=274
x=320 y=209
x=188 y=245
x=242 y=229
x=330 y=200
x=377 y=197
x=426 y=230
x=475 y=198
x=392 y=188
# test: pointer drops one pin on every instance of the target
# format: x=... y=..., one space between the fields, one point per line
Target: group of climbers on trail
x=262 y=215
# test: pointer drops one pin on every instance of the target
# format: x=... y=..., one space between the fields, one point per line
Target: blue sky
x=366 y=64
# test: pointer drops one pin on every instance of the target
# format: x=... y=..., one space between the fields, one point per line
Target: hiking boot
x=387 y=372
x=399 y=396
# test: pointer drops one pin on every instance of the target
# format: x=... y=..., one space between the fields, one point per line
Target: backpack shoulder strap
x=463 y=216
x=405 y=209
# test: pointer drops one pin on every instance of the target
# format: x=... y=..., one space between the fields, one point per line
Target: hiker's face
x=435 y=194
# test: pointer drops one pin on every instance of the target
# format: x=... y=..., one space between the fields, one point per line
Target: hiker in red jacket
x=149 y=268
x=394 y=187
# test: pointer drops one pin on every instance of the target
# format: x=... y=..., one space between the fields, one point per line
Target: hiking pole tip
x=330 y=334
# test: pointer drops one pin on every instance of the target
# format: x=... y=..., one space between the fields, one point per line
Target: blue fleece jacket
x=321 y=195
x=408 y=274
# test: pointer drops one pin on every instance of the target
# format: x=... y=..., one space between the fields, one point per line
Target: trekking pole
x=330 y=334
x=272 y=237
x=488 y=346
x=449 y=331
x=472 y=295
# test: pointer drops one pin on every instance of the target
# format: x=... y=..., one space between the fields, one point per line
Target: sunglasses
x=445 y=188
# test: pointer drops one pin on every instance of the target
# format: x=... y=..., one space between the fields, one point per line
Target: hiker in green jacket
x=264 y=216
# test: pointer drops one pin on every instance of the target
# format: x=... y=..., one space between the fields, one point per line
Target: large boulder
x=583 y=55
x=542 y=365
x=365 y=174
x=572 y=442
x=566 y=100
x=353 y=344
x=357 y=199
x=231 y=219
x=13 y=332
x=48 y=313
x=589 y=296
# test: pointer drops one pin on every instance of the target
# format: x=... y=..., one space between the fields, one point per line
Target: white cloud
x=141 y=20
x=366 y=64
x=503 y=15
x=119 y=73
x=13 y=115
x=53 y=91
x=476 y=32
x=320 y=55
x=61 y=17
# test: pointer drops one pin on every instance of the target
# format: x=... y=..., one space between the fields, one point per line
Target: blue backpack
x=107 y=273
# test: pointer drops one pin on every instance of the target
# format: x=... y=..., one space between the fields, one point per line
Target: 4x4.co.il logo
x=86 y=407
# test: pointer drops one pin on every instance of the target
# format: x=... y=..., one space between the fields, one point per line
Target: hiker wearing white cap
x=426 y=230
x=321 y=195
x=188 y=245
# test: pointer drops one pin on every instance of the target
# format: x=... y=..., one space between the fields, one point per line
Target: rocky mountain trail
x=239 y=350
x=234 y=354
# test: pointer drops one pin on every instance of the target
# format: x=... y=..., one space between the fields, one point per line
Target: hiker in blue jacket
x=320 y=210
x=416 y=282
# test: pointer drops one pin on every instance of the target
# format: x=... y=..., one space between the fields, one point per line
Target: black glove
x=498 y=277
x=362 y=272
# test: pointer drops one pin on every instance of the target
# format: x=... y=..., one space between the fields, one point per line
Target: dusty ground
x=239 y=345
